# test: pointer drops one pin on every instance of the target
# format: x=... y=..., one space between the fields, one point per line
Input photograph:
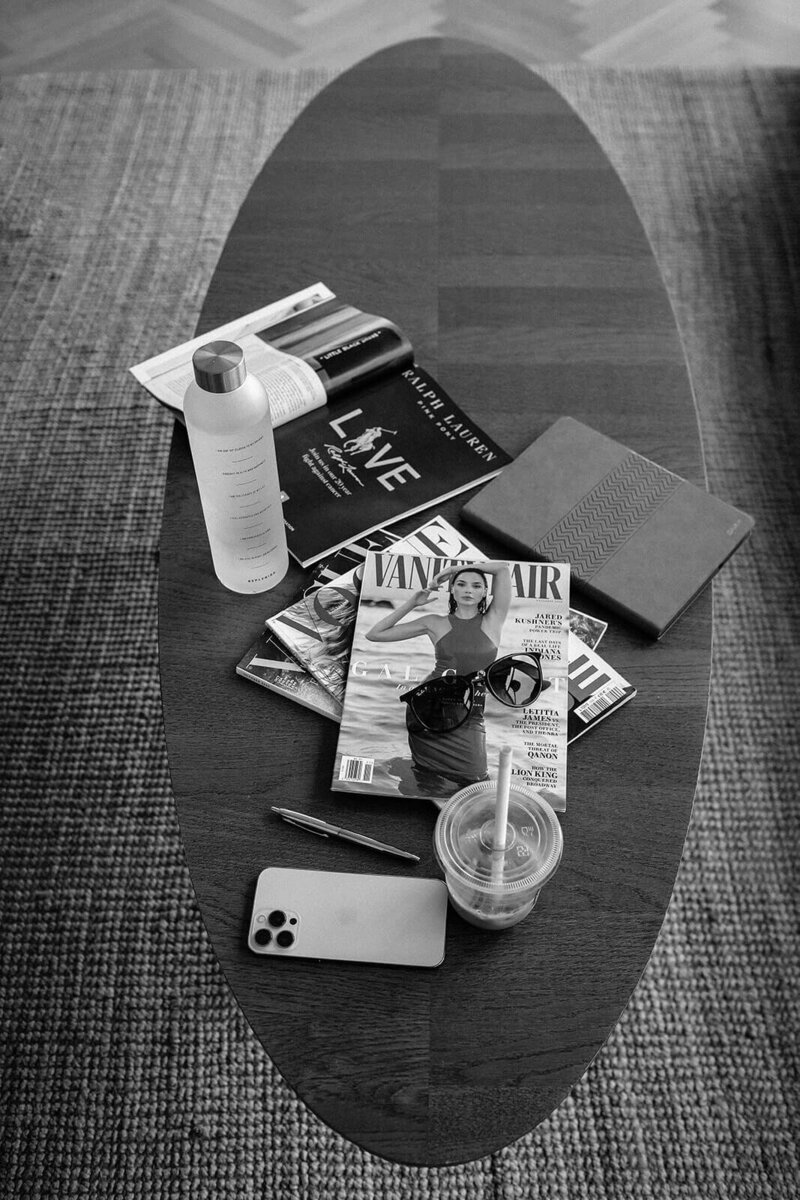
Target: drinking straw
x=501 y=801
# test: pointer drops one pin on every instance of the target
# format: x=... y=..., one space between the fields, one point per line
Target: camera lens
x=285 y=938
x=277 y=918
x=262 y=937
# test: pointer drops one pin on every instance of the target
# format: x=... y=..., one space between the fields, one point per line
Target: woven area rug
x=127 y=1068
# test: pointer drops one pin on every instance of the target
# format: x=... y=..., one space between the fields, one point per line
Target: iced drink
x=495 y=887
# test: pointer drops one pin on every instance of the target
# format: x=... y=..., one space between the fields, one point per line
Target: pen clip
x=302 y=825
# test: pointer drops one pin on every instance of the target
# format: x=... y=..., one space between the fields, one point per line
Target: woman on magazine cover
x=467 y=639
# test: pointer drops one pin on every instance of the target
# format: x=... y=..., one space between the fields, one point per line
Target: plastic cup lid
x=464 y=840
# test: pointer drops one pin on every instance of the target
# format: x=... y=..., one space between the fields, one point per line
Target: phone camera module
x=285 y=938
x=277 y=918
x=262 y=937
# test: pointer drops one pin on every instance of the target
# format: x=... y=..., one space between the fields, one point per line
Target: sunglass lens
x=515 y=681
x=443 y=704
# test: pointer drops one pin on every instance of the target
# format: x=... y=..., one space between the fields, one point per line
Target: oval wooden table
x=454 y=191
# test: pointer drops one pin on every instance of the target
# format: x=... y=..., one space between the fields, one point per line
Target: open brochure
x=364 y=436
x=438 y=653
x=305 y=348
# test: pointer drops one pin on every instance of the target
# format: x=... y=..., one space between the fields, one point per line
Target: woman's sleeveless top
x=464 y=648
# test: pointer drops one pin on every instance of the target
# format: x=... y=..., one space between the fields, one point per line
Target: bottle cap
x=219 y=366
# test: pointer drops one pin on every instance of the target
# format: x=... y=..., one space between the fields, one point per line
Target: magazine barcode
x=356 y=770
x=599 y=703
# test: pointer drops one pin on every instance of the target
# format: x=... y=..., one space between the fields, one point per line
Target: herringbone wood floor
x=71 y=35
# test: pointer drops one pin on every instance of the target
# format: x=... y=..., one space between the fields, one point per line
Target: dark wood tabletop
x=454 y=191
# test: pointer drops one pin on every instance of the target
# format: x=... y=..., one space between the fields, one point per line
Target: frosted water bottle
x=233 y=450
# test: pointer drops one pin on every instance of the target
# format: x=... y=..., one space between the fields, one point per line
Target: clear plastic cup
x=496 y=888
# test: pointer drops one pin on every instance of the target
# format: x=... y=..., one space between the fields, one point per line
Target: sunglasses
x=444 y=703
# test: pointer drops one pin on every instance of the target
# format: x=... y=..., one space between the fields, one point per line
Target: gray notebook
x=640 y=539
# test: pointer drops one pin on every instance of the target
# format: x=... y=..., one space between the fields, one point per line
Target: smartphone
x=391 y=919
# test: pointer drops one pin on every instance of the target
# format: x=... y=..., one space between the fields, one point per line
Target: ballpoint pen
x=324 y=829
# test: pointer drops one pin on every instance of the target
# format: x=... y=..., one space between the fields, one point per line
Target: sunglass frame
x=469 y=682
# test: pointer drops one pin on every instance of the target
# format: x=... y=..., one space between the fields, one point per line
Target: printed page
x=293 y=386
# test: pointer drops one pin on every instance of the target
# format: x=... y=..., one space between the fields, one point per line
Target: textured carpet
x=127 y=1068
